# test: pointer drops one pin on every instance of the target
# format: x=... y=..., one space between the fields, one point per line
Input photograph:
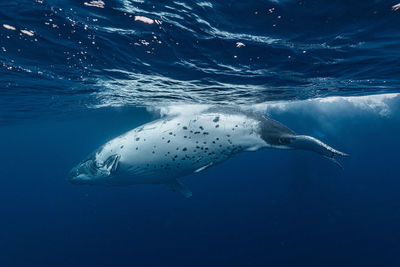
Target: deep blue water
x=75 y=74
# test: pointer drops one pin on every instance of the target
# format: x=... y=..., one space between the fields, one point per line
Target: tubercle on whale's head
x=93 y=170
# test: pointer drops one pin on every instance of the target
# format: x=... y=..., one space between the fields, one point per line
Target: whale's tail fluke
x=310 y=143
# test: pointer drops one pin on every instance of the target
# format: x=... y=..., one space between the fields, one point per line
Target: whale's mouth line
x=76 y=180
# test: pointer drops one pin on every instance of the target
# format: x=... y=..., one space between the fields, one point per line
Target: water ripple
x=57 y=56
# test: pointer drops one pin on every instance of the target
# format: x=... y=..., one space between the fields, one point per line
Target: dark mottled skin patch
x=271 y=131
x=216 y=119
x=137 y=139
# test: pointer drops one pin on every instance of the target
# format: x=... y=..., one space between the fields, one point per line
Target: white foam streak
x=378 y=104
x=9 y=27
x=144 y=19
x=180 y=109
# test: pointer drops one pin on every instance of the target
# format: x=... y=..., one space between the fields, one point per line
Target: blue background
x=88 y=74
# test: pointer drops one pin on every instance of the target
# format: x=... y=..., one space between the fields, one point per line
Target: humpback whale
x=164 y=150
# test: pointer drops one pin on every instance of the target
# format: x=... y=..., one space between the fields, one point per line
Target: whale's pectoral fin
x=179 y=187
x=110 y=165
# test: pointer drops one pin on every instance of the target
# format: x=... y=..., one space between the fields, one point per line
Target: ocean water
x=75 y=74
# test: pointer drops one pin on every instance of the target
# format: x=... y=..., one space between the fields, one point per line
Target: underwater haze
x=75 y=74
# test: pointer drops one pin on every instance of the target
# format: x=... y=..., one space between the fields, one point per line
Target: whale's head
x=94 y=169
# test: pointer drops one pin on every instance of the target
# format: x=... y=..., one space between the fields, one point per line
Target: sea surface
x=75 y=74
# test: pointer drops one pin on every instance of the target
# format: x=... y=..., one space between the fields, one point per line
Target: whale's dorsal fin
x=179 y=187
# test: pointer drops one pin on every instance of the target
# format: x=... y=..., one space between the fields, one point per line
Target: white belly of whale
x=170 y=148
